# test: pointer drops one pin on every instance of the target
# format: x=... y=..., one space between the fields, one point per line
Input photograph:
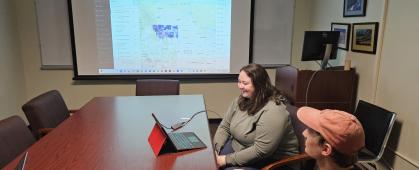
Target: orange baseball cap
x=340 y=129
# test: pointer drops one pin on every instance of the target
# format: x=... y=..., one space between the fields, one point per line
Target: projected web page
x=161 y=36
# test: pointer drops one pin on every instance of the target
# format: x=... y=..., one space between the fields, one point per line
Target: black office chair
x=15 y=138
x=377 y=123
x=152 y=87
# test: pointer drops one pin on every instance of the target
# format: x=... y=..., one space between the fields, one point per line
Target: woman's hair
x=343 y=160
x=264 y=90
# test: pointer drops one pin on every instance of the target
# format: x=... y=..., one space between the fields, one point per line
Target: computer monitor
x=320 y=45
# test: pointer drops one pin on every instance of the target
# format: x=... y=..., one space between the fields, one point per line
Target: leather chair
x=46 y=112
x=15 y=138
x=303 y=159
x=152 y=87
x=377 y=123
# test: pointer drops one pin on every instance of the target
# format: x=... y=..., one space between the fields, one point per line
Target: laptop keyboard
x=181 y=141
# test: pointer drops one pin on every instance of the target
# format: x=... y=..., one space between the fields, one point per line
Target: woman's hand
x=221 y=159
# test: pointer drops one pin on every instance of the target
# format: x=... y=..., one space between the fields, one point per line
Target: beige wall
x=11 y=74
x=302 y=23
x=388 y=78
x=398 y=79
x=321 y=14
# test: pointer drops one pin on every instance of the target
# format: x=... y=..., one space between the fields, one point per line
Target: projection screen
x=160 y=38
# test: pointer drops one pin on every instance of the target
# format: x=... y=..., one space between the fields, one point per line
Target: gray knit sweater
x=268 y=134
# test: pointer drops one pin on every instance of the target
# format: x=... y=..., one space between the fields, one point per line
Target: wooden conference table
x=112 y=133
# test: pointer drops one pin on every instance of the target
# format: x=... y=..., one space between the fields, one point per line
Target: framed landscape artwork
x=364 y=37
x=354 y=8
x=344 y=36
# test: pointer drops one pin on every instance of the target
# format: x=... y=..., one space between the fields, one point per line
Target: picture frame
x=364 y=37
x=354 y=8
x=344 y=36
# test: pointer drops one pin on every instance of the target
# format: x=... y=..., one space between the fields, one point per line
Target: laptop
x=161 y=141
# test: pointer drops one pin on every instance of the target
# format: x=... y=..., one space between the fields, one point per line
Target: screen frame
x=225 y=76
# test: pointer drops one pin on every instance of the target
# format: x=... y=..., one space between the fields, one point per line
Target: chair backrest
x=377 y=123
x=152 y=87
x=15 y=138
x=47 y=110
x=299 y=127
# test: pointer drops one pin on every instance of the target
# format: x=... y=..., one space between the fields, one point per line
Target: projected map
x=166 y=31
x=160 y=36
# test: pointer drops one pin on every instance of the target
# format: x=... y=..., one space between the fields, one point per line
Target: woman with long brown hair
x=256 y=129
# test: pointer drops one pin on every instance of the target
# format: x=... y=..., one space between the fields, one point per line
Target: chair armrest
x=44 y=131
x=287 y=161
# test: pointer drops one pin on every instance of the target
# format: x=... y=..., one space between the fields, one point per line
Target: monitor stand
x=326 y=57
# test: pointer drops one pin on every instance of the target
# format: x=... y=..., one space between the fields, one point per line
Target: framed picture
x=364 y=37
x=345 y=30
x=354 y=8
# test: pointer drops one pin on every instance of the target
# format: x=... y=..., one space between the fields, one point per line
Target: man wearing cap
x=333 y=138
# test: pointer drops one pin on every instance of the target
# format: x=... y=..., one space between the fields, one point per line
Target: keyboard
x=186 y=141
x=180 y=141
